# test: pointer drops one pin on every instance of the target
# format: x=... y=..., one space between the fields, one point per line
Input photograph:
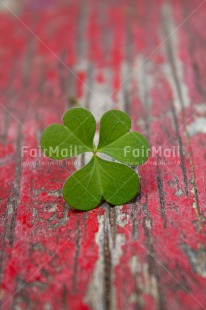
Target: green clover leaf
x=115 y=182
x=73 y=138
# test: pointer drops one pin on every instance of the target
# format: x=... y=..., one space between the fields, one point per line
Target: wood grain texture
x=144 y=57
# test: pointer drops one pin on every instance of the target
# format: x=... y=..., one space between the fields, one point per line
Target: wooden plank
x=146 y=58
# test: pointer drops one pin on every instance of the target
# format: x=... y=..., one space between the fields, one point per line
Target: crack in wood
x=154 y=270
x=76 y=256
x=107 y=272
x=160 y=186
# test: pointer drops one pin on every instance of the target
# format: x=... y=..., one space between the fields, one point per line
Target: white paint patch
x=98 y=102
x=124 y=86
x=121 y=218
x=146 y=282
x=135 y=265
x=51 y=208
x=201 y=107
x=136 y=271
x=198 y=126
x=117 y=249
x=179 y=192
x=148 y=223
x=144 y=81
x=151 y=285
x=7 y=5
x=10 y=208
x=55 y=193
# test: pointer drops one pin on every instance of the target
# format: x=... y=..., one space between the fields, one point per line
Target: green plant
x=116 y=182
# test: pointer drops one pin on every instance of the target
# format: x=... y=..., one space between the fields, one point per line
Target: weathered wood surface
x=147 y=58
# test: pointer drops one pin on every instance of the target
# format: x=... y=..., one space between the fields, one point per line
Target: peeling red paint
x=49 y=252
